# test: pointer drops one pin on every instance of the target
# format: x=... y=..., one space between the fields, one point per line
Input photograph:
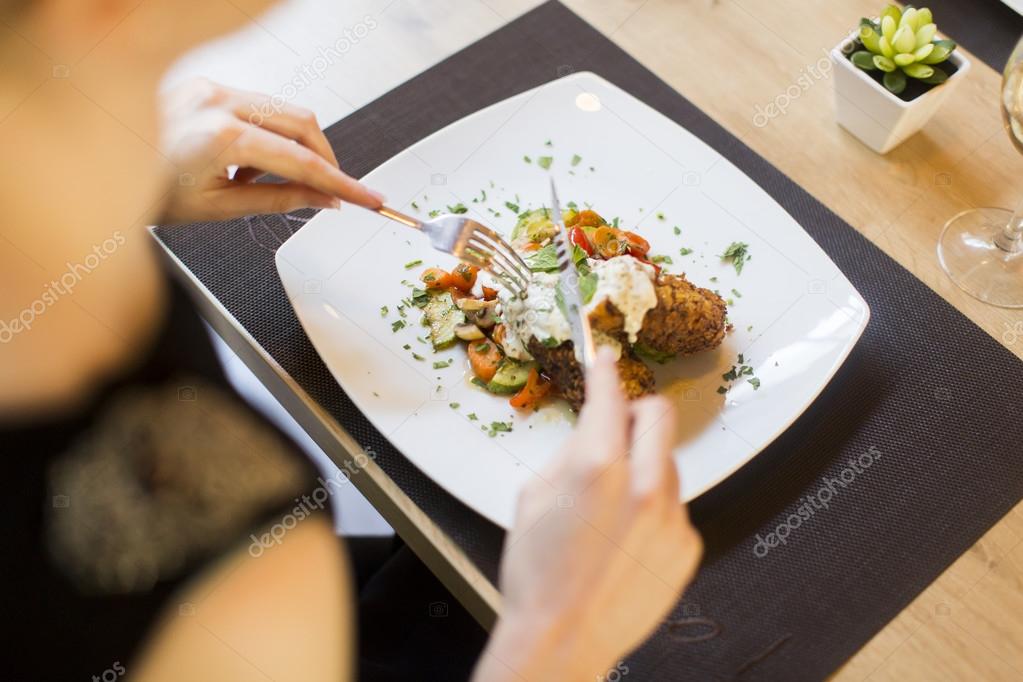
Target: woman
x=135 y=477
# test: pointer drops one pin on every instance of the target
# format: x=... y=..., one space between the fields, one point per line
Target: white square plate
x=795 y=316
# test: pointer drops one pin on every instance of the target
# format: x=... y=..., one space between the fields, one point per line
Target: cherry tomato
x=589 y=218
x=636 y=243
x=608 y=242
x=435 y=278
x=463 y=277
x=580 y=239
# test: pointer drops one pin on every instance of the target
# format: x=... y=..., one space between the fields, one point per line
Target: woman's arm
x=286 y=615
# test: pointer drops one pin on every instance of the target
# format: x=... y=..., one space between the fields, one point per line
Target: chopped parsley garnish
x=419 y=297
x=684 y=251
x=413 y=263
x=754 y=382
x=548 y=143
x=472 y=416
x=527 y=159
x=441 y=364
x=736 y=293
x=458 y=208
x=397 y=324
x=454 y=406
x=713 y=279
x=572 y=205
x=662 y=259
x=482 y=347
x=545 y=162
x=434 y=213
x=614 y=223
x=415 y=205
x=417 y=356
x=736 y=253
x=722 y=389
x=551 y=342
x=407 y=347
x=499 y=427
x=514 y=208
x=576 y=159
x=660 y=216
x=677 y=229
x=476 y=381
x=383 y=311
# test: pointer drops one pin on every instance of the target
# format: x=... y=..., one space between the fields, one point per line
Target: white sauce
x=629 y=285
x=623 y=280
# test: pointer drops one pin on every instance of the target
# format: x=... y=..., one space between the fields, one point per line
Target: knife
x=571 y=302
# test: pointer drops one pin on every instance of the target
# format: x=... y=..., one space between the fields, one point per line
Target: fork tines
x=486 y=249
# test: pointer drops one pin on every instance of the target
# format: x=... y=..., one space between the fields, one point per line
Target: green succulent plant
x=902 y=44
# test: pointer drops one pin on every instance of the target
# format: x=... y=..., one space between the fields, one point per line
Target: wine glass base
x=968 y=254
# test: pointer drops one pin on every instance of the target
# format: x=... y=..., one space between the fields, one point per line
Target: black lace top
x=109 y=512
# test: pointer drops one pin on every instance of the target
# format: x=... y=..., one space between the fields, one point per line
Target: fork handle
x=400 y=217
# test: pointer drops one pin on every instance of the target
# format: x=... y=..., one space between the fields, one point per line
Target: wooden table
x=728 y=57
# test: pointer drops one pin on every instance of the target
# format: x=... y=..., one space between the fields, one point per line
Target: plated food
x=521 y=347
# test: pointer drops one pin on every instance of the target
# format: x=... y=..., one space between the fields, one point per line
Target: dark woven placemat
x=987 y=28
x=904 y=438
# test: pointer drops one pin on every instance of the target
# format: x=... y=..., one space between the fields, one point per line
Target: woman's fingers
x=652 y=462
x=290 y=121
x=259 y=198
x=259 y=148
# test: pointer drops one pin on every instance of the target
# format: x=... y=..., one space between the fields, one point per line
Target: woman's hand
x=209 y=128
x=601 y=549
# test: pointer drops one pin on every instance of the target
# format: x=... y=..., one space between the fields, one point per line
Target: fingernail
x=377 y=195
x=605 y=355
x=330 y=203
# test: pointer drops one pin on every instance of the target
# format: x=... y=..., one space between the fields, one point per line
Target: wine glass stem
x=1011 y=238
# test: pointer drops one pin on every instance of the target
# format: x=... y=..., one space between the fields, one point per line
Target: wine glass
x=982 y=249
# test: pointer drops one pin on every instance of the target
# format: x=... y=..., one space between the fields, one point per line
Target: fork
x=472 y=242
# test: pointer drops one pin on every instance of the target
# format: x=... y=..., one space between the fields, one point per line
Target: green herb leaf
x=514 y=208
x=677 y=230
x=413 y=263
x=420 y=298
x=755 y=383
x=685 y=251
x=662 y=259
x=652 y=354
x=544 y=260
x=576 y=159
x=458 y=208
x=588 y=286
x=441 y=364
x=397 y=324
x=472 y=416
x=737 y=254
x=545 y=162
x=527 y=159
x=454 y=406
x=383 y=311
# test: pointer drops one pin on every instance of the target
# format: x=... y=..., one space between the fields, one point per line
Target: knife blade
x=571 y=302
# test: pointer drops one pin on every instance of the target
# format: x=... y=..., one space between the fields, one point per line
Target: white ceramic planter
x=878 y=118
